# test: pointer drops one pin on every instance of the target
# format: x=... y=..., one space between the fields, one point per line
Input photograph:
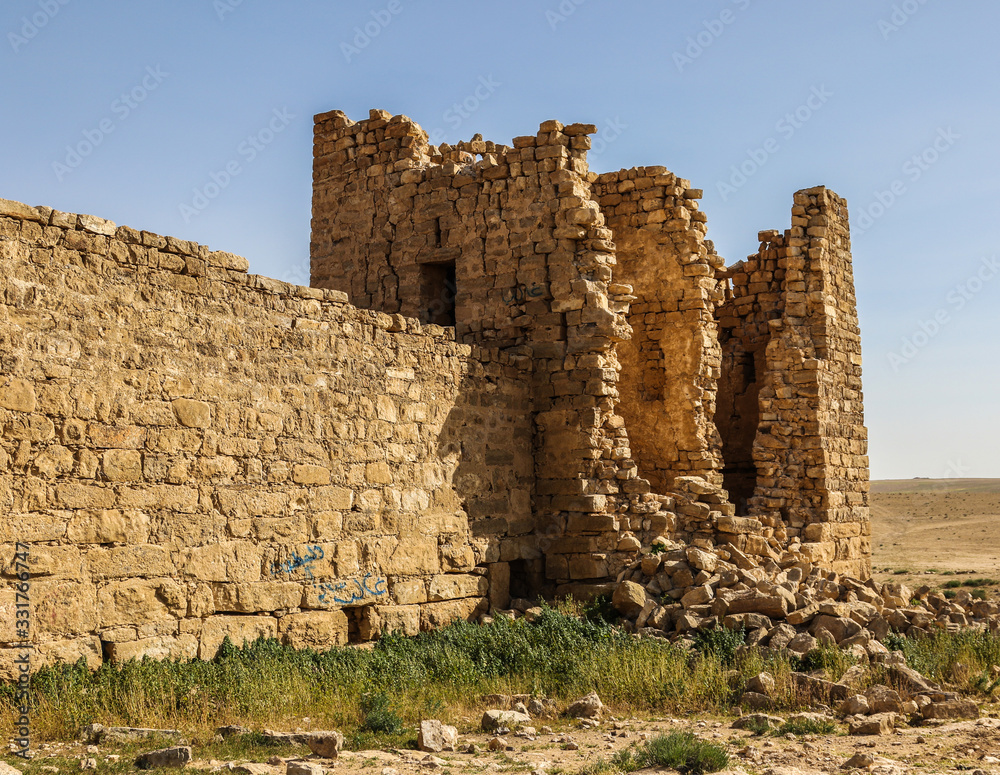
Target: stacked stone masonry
x=509 y=376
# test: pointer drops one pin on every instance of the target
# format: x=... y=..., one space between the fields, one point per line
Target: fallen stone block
x=435 y=737
x=755 y=701
x=299 y=767
x=495 y=719
x=757 y=720
x=879 y=724
x=586 y=707
x=882 y=699
x=163 y=758
x=325 y=743
x=951 y=709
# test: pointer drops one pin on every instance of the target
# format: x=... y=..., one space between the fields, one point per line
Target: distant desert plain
x=931 y=531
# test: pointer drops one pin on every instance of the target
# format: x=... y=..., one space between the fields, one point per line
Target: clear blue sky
x=894 y=105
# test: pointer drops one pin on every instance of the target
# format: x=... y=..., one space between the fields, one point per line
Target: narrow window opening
x=438 y=289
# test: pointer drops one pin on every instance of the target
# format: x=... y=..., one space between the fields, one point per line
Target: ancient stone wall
x=553 y=369
x=192 y=452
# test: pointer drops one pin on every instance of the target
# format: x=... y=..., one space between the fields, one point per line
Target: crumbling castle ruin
x=510 y=374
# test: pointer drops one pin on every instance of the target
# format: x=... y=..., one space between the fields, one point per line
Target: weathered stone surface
x=629 y=598
x=511 y=719
x=434 y=737
x=854 y=706
x=325 y=743
x=586 y=707
x=879 y=724
x=295 y=767
x=951 y=709
x=164 y=758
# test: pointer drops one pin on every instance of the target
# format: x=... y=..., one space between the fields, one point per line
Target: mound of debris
x=675 y=590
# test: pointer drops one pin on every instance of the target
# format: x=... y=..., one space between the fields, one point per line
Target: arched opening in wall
x=737 y=417
x=438 y=290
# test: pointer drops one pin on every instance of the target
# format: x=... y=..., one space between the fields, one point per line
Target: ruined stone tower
x=668 y=394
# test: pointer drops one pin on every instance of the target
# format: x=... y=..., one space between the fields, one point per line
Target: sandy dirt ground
x=928 y=527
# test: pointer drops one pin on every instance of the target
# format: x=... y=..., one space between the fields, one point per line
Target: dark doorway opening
x=737 y=418
x=438 y=289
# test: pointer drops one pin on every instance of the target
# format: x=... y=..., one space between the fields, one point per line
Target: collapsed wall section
x=192 y=452
x=790 y=401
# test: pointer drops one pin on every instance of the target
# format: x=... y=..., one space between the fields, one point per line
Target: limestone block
x=108 y=526
x=239 y=629
x=141 y=600
x=453 y=586
x=409 y=591
x=310 y=474
x=257 y=596
x=403 y=619
x=314 y=629
x=192 y=414
x=18 y=395
x=184 y=646
x=436 y=615
x=64 y=608
x=122 y=465
x=233 y=561
x=142 y=560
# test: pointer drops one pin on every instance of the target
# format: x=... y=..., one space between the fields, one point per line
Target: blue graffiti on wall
x=334 y=592
x=297 y=561
x=343 y=593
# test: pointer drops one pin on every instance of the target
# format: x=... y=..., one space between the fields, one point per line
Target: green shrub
x=380 y=718
x=600 y=609
x=720 y=643
x=684 y=752
x=953 y=584
x=807 y=726
x=757 y=726
x=950 y=594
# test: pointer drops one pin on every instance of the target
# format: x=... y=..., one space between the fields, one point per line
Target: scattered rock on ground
x=435 y=737
x=174 y=757
x=586 y=707
x=325 y=743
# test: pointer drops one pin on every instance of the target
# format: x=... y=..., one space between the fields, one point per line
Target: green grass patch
x=936 y=656
x=681 y=751
x=807 y=726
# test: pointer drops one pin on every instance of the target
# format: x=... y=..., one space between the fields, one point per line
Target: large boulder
x=586 y=707
x=629 y=598
x=495 y=719
x=325 y=743
x=435 y=737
